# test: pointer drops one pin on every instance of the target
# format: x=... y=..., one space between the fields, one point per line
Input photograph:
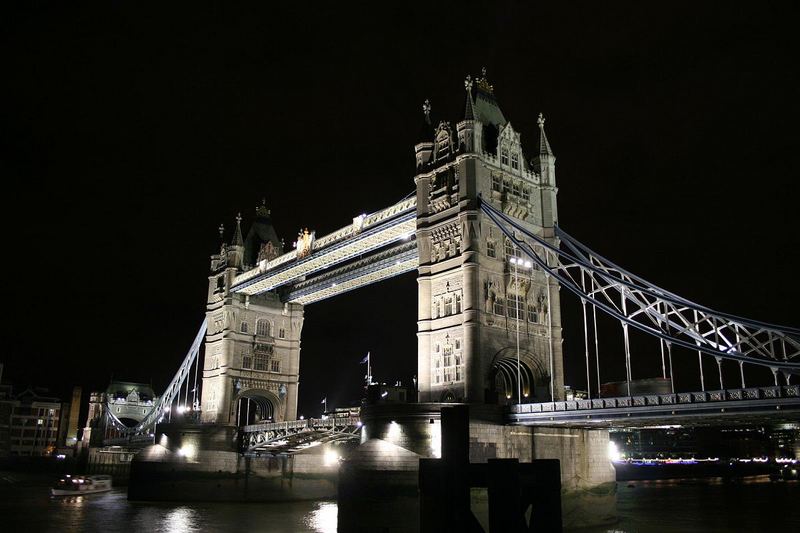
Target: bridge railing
x=649 y=400
x=307 y=424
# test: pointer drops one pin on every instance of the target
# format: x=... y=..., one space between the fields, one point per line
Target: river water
x=755 y=504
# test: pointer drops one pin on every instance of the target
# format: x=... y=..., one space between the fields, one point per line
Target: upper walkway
x=377 y=232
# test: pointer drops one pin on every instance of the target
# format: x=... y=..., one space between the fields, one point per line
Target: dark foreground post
x=513 y=488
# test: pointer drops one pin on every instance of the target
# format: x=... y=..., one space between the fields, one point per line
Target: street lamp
x=518 y=262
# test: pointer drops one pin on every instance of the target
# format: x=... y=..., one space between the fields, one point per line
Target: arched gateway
x=476 y=301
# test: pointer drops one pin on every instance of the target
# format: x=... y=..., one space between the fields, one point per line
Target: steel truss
x=637 y=303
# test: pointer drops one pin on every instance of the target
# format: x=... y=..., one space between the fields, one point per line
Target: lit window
x=263 y=328
x=243 y=329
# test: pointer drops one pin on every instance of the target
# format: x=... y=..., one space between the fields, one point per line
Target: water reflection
x=181 y=519
x=751 y=504
x=323 y=518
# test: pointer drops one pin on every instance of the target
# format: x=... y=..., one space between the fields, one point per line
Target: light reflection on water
x=323 y=519
x=644 y=506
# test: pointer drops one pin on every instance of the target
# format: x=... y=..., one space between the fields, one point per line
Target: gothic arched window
x=263 y=328
x=243 y=328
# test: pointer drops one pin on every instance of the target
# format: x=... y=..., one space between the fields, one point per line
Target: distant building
x=383 y=393
x=74 y=413
x=34 y=423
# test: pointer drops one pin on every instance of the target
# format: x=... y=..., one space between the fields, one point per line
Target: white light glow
x=613 y=451
x=187 y=451
x=394 y=432
x=324 y=518
x=330 y=458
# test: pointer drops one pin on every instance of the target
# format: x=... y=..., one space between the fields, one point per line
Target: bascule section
x=252 y=347
x=486 y=313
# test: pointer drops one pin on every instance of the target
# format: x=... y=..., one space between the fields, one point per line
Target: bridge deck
x=365 y=235
x=729 y=407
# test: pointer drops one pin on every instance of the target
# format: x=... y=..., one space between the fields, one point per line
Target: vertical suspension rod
x=627 y=341
x=586 y=338
x=550 y=332
x=596 y=343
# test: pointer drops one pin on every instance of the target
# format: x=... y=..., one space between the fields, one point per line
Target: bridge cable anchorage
x=712 y=333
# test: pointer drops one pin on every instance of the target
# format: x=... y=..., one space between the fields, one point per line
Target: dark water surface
x=644 y=506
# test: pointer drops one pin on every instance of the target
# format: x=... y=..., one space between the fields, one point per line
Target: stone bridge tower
x=252 y=349
x=470 y=301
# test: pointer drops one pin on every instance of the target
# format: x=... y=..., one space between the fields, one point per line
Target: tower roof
x=486 y=108
x=544 y=145
x=260 y=233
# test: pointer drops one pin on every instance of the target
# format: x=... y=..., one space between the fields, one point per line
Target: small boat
x=79 y=485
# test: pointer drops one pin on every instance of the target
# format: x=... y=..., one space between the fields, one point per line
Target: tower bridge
x=483 y=235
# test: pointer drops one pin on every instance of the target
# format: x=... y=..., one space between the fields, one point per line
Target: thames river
x=755 y=504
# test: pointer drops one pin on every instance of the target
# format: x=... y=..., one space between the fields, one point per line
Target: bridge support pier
x=382 y=473
x=588 y=479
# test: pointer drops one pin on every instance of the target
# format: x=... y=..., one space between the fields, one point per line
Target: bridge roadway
x=381 y=245
x=296 y=435
x=777 y=404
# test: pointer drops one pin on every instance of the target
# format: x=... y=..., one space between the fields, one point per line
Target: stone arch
x=502 y=377
x=447 y=397
x=254 y=406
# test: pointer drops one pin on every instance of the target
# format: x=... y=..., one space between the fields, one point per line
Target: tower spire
x=237 y=235
x=469 y=113
x=544 y=145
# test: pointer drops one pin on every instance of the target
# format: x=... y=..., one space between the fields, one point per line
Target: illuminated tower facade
x=472 y=302
x=252 y=350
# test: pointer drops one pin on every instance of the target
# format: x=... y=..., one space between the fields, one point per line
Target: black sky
x=130 y=131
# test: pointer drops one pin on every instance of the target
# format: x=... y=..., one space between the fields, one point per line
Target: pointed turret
x=237 y=235
x=236 y=249
x=545 y=165
x=544 y=144
x=469 y=112
x=466 y=128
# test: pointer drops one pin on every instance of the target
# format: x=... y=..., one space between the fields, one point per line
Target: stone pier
x=382 y=473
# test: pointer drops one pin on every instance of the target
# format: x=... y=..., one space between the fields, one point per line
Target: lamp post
x=517 y=261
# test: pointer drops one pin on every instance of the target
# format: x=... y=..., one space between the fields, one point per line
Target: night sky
x=130 y=132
